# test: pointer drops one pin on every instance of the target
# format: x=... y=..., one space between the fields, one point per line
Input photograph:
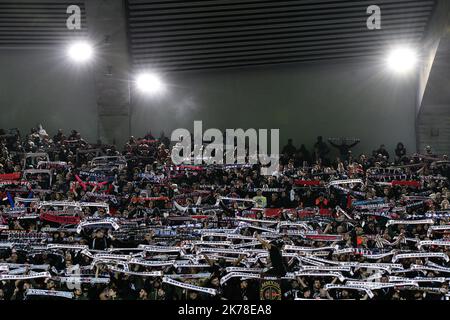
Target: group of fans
x=89 y=222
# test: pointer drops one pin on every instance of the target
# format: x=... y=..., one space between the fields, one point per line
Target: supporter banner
x=256 y=220
x=310 y=260
x=214 y=234
x=364 y=288
x=378 y=256
x=10 y=176
x=234 y=166
x=96 y=195
x=211 y=243
x=349 y=191
x=26 y=200
x=140 y=274
x=420 y=255
x=416 y=279
x=272 y=212
x=433 y=178
x=95 y=205
x=60 y=229
x=84 y=185
x=15 y=210
x=266 y=190
x=433 y=243
x=201 y=275
x=296 y=248
x=197 y=193
x=324 y=237
x=383 y=266
x=236 y=199
x=366 y=202
x=49 y=293
x=344 y=251
x=64 y=204
x=159 y=248
x=221 y=250
x=187 y=168
x=106 y=256
x=144 y=199
x=151 y=263
x=380 y=285
x=416 y=198
x=430 y=214
x=14 y=182
x=188 y=286
x=35 y=275
x=59 y=219
x=247 y=225
x=432 y=229
x=430 y=268
x=97 y=224
x=52 y=165
x=381 y=214
x=239 y=237
x=240 y=270
x=303 y=225
x=415 y=184
x=390 y=177
x=299 y=182
x=415 y=205
x=207 y=186
x=30 y=266
x=348 y=181
x=151 y=177
x=82 y=280
x=67 y=246
x=409 y=222
x=95 y=175
x=244 y=245
x=244 y=275
x=190 y=265
x=320 y=274
x=28 y=216
x=373 y=206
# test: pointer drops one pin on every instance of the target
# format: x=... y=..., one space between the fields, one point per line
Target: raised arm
x=353 y=144
x=238 y=261
x=264 y=243
x=209 y=261
x=333 y=144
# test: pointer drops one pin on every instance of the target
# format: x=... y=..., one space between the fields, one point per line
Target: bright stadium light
x=149 y=83
x=402 y=60
x=80 y=51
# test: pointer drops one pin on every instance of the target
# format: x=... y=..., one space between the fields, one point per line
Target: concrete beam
x=433 y=113
x=108 y=31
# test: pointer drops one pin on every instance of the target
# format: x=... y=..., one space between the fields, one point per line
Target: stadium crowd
x=90 y=222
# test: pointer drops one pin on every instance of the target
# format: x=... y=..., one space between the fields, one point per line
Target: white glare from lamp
x=80 y=52
x=149 y=83
x=402 y=60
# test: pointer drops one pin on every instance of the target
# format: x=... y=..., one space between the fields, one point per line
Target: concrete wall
x=434 y=128
x=41 y=86
x=353 y=99
x=436 y=29
x=433 y=120
x=434 y=116
x=346 y=99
